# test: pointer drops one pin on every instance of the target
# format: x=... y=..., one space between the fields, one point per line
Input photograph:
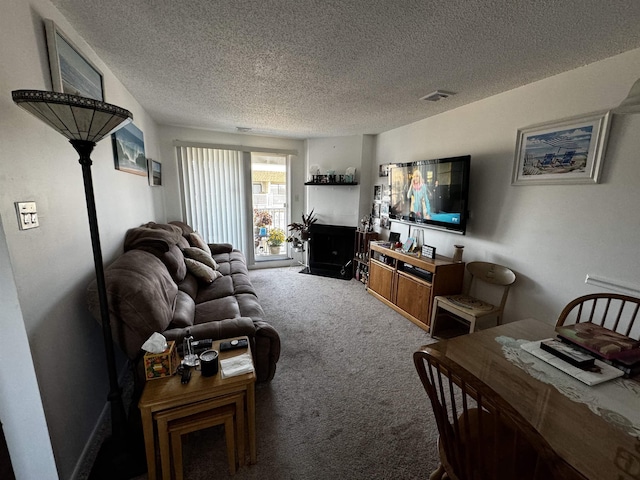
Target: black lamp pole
x=118 y=415
x=85 y=121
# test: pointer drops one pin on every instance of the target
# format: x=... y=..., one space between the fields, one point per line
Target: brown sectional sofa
x=150 y=289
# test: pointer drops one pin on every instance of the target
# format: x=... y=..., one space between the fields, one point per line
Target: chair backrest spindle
x=613 y=311
x=482 y=437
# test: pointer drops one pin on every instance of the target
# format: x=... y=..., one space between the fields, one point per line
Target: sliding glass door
x=231 y=196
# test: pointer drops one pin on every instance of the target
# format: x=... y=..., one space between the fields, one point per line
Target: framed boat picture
x=568 y=151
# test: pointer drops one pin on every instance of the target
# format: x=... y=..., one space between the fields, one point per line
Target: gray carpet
x=346 y=401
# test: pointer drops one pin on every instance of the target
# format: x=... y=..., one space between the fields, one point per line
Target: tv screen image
x=432 y=193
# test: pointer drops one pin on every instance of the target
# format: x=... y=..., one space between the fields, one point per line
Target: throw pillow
x=196 y=241
x=201 y=271
x=200 y=255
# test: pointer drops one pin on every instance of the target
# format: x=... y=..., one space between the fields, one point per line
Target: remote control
x=200 y=346
x=233 y=344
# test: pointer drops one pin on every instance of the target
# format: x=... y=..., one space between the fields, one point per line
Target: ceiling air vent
x=437 y=95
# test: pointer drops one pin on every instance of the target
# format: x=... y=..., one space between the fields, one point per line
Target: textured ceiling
x=314 y=68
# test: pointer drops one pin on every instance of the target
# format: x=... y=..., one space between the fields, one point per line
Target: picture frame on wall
x=377 y=193
x=563 y=152
x=383 y=170
x=71 y=72
x=375 y=210
x=128 y=150
x=154 y=172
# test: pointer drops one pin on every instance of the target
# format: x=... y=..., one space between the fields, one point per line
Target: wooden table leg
x=240 y=429
x=149 y=442
x=165 y=452
x=251 y=414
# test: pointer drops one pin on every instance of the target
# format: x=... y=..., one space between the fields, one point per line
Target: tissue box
x=159 y=365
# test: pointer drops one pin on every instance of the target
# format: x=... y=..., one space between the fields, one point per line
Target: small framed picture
x=155 y=172
x=407 y=246
x=377 y=193
x=71 y=72
x=375 y=210
x=384 y=170
x=428 y=251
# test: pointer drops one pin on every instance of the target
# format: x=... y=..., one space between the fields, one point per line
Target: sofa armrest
x=266 y=351
x=217 y=248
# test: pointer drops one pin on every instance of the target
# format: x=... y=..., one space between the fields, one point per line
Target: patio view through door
x=269 y=201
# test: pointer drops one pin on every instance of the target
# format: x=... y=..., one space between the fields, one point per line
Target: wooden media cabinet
x=408 y=283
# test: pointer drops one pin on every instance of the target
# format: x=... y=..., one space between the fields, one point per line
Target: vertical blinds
x=213 y=194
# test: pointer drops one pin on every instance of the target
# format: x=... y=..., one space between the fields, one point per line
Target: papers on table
x=236 y=365
x=607 y=372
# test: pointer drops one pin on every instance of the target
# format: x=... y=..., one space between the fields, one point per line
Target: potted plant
x=301 y=230
x=261 y=218
x=276 y=239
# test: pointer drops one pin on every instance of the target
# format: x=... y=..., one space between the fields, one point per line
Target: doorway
x=270 y=192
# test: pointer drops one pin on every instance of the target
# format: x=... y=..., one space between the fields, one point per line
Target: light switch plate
x=27 y=215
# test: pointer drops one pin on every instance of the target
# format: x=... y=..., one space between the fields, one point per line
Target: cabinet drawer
x=381 y=279
x=413 y=296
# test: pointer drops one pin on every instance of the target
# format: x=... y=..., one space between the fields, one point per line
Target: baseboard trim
x=94 y=442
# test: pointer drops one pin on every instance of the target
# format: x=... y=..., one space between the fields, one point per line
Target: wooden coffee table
x=165 y=394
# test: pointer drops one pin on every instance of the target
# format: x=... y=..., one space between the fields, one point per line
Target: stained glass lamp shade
x=77 y=118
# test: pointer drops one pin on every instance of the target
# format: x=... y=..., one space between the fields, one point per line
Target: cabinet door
x=413 y=296
x=380 y=279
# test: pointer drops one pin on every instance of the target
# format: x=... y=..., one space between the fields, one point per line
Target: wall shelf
x=329 y=184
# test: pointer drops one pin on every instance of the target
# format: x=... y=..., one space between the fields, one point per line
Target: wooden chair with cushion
x=470 y=308
x=620 y=313
x=482 y=437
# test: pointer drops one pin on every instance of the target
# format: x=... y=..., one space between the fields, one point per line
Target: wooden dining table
x=595 y=446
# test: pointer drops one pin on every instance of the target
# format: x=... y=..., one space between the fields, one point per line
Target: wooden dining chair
x=620 y=313
x=471 y=308
x=482 y=437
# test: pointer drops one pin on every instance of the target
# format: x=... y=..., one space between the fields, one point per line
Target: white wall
x=21 y=409
x=552 y=235
x=53 y=264
x=340 y=205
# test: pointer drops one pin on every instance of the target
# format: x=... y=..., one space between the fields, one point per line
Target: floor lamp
x=84 y=122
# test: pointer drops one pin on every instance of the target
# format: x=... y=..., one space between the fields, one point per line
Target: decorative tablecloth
x=617 y=401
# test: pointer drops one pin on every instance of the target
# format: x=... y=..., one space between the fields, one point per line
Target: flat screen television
x=431 y=193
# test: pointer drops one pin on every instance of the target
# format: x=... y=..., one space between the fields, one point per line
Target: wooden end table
x=168 y=393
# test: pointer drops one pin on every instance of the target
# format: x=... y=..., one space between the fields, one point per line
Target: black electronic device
x=438 y=199
x=569 y=354
x=233 y=344
x=200 y=346
x=418 y=272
